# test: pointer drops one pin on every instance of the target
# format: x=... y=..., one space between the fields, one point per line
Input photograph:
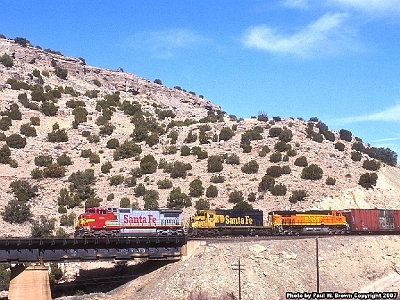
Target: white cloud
x=328 y=34
x=370 y=6
x=296 y=3
x=163 y=43
x=391 y=114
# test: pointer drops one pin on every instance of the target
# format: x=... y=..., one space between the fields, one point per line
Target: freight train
x=102 y=222
x=250 y=222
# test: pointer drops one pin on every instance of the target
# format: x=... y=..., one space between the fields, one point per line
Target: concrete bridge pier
x=30 y=282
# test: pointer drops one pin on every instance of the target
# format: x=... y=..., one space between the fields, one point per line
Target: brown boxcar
x=372 y=220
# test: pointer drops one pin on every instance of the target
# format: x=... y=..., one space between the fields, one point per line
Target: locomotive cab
x=94 y=218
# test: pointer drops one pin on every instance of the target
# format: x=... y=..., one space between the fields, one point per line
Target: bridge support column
x=30 y=282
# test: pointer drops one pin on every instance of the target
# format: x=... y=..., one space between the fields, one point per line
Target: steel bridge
x=20 y=250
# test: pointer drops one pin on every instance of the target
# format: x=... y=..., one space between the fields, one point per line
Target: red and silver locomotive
x=101 y=222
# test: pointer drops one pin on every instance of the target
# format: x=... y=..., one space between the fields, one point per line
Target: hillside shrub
x=274 y=171
x=130 y=181
x=356 y=156
x=179 y=169
x=43 y=160
x=242 y=205
x=368 y=180
x=140 y=190
x=251 y=197
x=196 y=188
x=214 y=164
x=274 y=132
x=127 y=150
x=371 y=165
x=191 y=137
x=345 y=135
x=275 y=157
x=217 y=178
x=236 y=196
x=112 y=143
x=233 y=159
x=266 y=184
x=16 y=212
x=178 y=199
x=116 y=180
x=164 y=184
x=251 y=167
x=49 y=108
x=64 y=160
x=212 y=191
x=339 y=146
x=286 y=135
x=37 y=173
x=278 y=190
x=330 y=181
x=5 y=123
x=226 y=134
x=301 y=161
x=93 y=201
x=106 y=167
x=329 y=136
x=6 y=60
x=297 y=195
x=125 y=202
x=54 y=171
x=67 y=219
x=16 y=141
x=282 y=146
x=28 y=130
x=202 y=204
x=94 y=158
x=57 y=136
x=42 y=228
x=148 y=164
x=150 y=199
x=312 y=172
x=23 y=190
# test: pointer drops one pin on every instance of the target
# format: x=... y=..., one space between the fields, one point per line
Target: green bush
x=106 y=167
x=148 y=164
x=266 y=184
x=93 y=201
x=16 y=212
x=179 y=169
x=312 y=172
x=64 y=160
x=345 y=135
x=371 y=165
x=212 y=191
x=177 y=199
x=23 y=190
x=196 y=188
x=282 y=146
x=43 y=160
x=202 y=204
x=6 y=60
x=94 y=158
x=274 y=171
x=127 y=150
x=251 y=167
x=125 y=202
x=61 y=72
x=226 y=134
x=185 y=150
x=42 y=228
x=140 y=190
x=57 y=136
x=150 y=199
x=112 y=144
x=54 y=171
x=217 y=178
x=251 y=197
x=242 y=205
x=301 y=161
x=5 y=274
x=28 y=130
x=16 y=141
x=191 y=137
x=80 y=114
x=67 y=219
x=5 y=123
x=235 y=196
x=5 y=154
x=214 y=164
x=330 y=181
x=130 y=181
x=275 y=157
x=275 y=132
x=164 y=184
x=279 y=190
x=37 y=173
x=233 y=159
x=368 y=180
x=49 y=108
x=339 y=146
x=116 y=180
x=297 y=195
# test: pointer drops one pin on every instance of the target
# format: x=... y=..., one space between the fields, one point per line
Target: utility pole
x=240 y=284
x=317 y=261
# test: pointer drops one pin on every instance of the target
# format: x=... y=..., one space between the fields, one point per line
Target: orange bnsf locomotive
x=102 y=222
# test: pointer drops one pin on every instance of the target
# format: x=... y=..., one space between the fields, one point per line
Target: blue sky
x=338 y=60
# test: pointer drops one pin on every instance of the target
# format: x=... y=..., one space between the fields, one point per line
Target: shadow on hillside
x=105 y=279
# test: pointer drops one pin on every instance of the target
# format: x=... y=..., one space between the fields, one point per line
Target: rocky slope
x=345 y=193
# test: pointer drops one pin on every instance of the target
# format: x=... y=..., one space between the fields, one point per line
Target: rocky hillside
x=153 y=144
